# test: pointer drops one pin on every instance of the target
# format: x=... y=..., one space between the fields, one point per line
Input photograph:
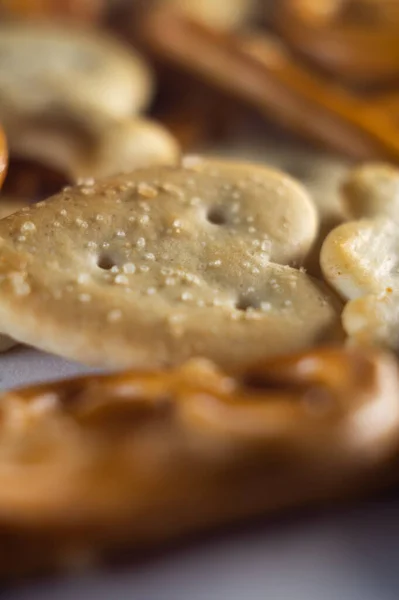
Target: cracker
x=7 y=207
x=321 y=173
x=359 y=258
x=60 y=69
x=66 y=100
x=372 y=190
x=6 y=343
x=156 y=266
x=96 y=465
x=93 y=146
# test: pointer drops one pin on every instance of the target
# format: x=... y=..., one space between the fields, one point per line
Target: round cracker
x=361 y=257
x=373 y=320
x=62 y=69
x=372 y=190
x=165 y=263
x=97 y=149
x=321 y=173
x=359 y=260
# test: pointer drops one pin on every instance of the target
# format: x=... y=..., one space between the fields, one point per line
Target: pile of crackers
x=247 y=312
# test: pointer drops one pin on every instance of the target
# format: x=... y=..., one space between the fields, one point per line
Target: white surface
x=353 y=556
x=22 y=365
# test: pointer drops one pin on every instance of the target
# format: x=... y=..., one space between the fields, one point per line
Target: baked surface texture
x=166 y=263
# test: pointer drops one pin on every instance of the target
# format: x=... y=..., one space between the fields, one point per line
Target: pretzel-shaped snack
x=101 y=463
x=352 y=39
x=263 y=74
x=88 y=10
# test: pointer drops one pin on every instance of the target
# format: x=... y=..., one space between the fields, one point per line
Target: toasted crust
x=359 y=258
x=356 y=257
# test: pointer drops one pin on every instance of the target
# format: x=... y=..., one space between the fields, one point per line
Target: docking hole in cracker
x=165 y=263
x=360 y=258
x=321 y=173
x=94 y=465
